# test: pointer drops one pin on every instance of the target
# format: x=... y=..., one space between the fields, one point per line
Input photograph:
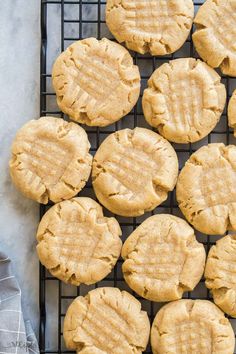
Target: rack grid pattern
x=63 y=22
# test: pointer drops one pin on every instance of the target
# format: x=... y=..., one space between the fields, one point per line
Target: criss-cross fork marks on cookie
x=50 y=159
x=191 y=326
x=184 y=100
x=45 y=158
x=184 y=103
x=158 y=27
x=153 y=273
x=224 y=267
x=223 y=23
x=133 y=171
x=214 y=37
x=218 y=185
x=97 y=77
x=106 y=320
x=220 y=273
x=190 y=337
x=150 y=18
x=76 y=243
x=96 y=82
x=109 y=323
x=206 y=189
x=159 y=257
x=162 y=270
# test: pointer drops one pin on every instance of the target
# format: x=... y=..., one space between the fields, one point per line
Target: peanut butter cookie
x=96 y=82
x=76 y=243
x=191 y=326
x=133 y=171
x=184 y=100
x=215 y=33
x=159 y=27
x=220 y=273
x=206 y=189
x=232 y=112
x=106 y=320
x=163 y=259
x=50 y=159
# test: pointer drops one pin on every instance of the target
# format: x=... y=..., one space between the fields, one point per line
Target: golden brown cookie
x=220 y=274
x=96 y=82
x=184 y=100
x=50 y=159
x=206 y=189
x=215 y=33
x=162 y=258
x=76 y=243
x=191 y=326
x=156 y=26
x=232 y=112
x=133 y=171
x=106 y=321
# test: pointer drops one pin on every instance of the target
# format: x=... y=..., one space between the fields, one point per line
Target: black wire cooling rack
x=63 y=22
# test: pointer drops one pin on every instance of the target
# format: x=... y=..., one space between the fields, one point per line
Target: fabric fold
x=16 y=336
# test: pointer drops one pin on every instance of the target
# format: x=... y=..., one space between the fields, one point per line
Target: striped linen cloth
x=16 y=336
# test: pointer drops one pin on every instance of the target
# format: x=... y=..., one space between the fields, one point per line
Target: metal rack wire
x=62 y=22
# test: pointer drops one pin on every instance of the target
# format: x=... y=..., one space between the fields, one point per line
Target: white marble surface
x=19 y=102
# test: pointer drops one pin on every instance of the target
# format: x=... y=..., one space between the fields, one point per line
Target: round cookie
x=214 y=38
x=76 y=243
x=96 y=82
x=162 y=258
x=133 y=171
x=191 y=326
x=206 y=189
x=220 y=274
x=106 y=320
x=160 y=27
x=184 y=100
x=232 y=112
x=50 y=159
